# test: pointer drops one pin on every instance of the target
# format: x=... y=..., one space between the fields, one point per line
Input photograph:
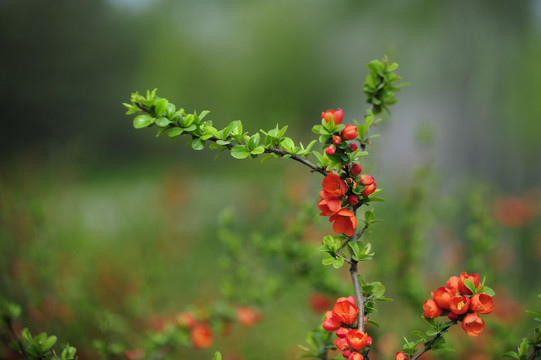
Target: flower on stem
x=355 y=356
x=357 y=339
x=482 y=304
x=329 y=206
x=331 y=323
x=337 y=140
x=336 y=115
x=350 y=132
x=442 y=296
x=345 y=222
x=472 y=324
x=345 y=310
x=459 y=304
x=431 y=309
x=333 y=186
x=452 y=284
x=353 y=147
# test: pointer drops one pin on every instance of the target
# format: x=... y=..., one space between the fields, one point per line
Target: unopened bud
x=366 y=180
x=330 y=150
x=355 y=169
x=336 y=140
x=353 y=200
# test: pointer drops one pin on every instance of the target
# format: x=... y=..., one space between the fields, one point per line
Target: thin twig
x=431 y=342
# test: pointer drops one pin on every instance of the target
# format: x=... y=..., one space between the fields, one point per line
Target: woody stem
x=354 y=273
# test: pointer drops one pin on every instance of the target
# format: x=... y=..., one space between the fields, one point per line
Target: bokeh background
x=101 y=224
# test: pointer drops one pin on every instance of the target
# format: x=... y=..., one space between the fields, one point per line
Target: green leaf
x=174 y=132
x=188 y=120
x=240 y=152
x=258 y=150
x=369 y=216
x=288 y=144
x=203 y=114
x=282 y=132
x=217 y=356
x=486 y=289
x=198 y=144
x=253 y=142
x=470 y=285
x=163 y=121
x=511 y=354
x=223 y=142
x=48 y=344
x=327 y=261
x=232 y=126
x=160 y=107
x=142 y=121
x=378 y=289
x=338 y=263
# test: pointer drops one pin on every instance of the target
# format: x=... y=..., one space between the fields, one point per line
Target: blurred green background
x=98 y=216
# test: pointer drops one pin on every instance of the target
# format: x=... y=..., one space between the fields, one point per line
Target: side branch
x=431 y=342
x=354 y=273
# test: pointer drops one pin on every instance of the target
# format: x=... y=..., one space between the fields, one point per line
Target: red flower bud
x=473 y=325
x=355 y=169
x=336 y=140
x=331 y=323
x=369 y=341
x=350 y=132
x=459 y=304
x=473 y=277
x=353 y=200
x=442 y=296
x=452 y=284
x=355 y=356
x=341 y=333
x=431 y=309
x=366 y=180
x=357 y=339
x=452 y=316
x=330 y=150
x=337 y=115
x=481 y=304
x=400 y=355
x=352 y=147
x=369 y=189
x=346 y=353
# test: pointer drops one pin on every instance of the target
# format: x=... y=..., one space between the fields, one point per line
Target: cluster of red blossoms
x=458 y=303
x=341 y=320
x=337 y=195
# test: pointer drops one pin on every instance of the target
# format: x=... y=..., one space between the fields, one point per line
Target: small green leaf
x=511 y=354
x=174 y=132
x=338 y=263
x=142 y=121
x=160 y=107
x=163 y=121
x=217 y=356
x=253 y=142
x=258 y=150
x=239 y=152
x=288 y=144
x=470 y=285
x=198 y=144
x=327 y=261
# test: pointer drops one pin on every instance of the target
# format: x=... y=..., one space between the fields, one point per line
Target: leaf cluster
x=380 y=84
x=529 y=348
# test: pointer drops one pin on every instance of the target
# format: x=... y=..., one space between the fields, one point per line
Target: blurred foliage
x=102 y=229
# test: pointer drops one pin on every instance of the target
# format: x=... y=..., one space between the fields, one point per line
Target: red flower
x=356 y=339
x=452 y=284
x=369 y=189
x=331 y=322
x=482 y=304
x=337 y=115
x=459 y=304
x=201 y=336
x=342 y=332
x=345 y=311
x=400 y=355
x=345 y=222
x=341 y=344
x=355 y=356
x=431 y=309
x=350 y=132
x=473 y=277
x=473 y=325
x=333 y=186
x=329 y=206
x=442 y=296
